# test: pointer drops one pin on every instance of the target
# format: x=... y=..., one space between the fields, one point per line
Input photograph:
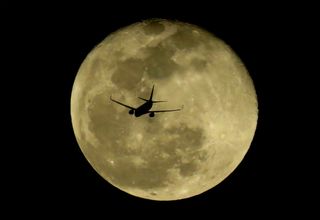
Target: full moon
x=173 y=155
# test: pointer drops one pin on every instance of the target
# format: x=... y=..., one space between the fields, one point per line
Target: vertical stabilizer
x=151 y=93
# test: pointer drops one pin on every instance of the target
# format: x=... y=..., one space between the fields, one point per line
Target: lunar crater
x=153 y=27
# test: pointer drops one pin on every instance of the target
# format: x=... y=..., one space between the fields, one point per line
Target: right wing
x=122 y=104
x=169 y=110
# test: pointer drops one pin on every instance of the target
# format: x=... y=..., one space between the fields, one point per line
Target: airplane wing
x=169 y=110
x=122 y=103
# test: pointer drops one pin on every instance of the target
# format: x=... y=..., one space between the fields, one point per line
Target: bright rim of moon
x=173 y=155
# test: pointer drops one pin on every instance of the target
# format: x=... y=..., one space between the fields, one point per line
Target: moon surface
x=174 y=155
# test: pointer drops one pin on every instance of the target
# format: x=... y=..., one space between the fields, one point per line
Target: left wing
x=122 y=104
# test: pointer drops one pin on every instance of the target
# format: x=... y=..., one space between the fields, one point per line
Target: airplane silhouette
x=145 y=107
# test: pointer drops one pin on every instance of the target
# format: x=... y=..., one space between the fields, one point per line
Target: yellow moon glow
x=173 y=155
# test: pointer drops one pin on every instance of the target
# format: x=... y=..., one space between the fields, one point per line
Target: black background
x=45 y=45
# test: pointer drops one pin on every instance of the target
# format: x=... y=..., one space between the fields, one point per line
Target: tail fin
x=151 y=93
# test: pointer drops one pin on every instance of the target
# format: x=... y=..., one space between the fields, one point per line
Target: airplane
x=145 y=107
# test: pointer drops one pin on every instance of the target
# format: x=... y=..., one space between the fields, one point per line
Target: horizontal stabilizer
x=143 y=99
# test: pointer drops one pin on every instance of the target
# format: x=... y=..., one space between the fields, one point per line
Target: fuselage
x=143 y=109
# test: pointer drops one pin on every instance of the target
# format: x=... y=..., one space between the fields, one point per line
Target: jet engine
x=131 y=112
x=151 y=114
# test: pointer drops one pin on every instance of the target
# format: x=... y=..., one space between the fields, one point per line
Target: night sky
x=45 y=47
